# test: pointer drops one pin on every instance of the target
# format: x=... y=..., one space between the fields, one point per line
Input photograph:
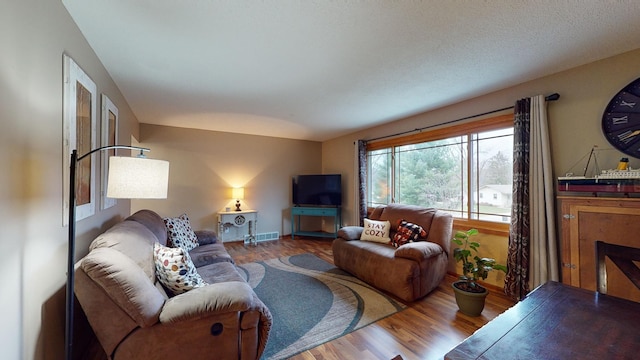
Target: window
x=465 y=170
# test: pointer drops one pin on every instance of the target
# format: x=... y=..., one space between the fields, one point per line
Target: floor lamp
x=129 y=178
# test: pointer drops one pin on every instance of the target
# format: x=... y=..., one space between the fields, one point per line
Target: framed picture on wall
x=79 y=123
x=109 y=137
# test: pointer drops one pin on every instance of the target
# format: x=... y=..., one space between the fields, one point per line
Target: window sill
x=485 y=227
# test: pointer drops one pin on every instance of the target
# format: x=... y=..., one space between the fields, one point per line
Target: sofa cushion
x=377 y=231
x=175 y=270
x=220 y=272
x=209 y=254
x=152 y=221
x=223 y=297
x=377 y=212
x=206 y=237
x=376 y=264
x=407 y=232
x=132 y=239
x=125 y=283
x=410 y=213
x=180 y=233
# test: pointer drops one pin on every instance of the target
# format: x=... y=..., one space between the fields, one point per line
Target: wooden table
x=557 y=321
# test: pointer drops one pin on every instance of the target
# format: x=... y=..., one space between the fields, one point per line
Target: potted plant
x=470 y=296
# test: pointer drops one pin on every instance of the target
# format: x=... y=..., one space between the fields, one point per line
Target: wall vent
x=268 y=236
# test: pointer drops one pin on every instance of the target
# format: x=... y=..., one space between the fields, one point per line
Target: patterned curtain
x=362 y=180
x=517 y=279
x=532 y=256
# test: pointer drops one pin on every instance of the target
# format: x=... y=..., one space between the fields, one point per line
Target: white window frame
x=487 y=124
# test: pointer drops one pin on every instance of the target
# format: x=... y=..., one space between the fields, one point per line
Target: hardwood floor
x=427 y=329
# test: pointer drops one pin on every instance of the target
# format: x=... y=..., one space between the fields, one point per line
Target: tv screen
x=317 y=190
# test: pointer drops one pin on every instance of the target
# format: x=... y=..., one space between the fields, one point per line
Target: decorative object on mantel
x=470 y=295
x=129 y=178
x=623 y=179
x=238 y=194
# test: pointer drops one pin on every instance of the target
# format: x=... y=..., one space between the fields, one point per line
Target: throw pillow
x=175 y=270
x=407 y=232
x=377 y=231
x=180 y=234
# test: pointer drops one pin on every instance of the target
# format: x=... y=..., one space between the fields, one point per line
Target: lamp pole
x=68 y=330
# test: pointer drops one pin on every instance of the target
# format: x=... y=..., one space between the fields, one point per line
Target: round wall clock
x=621 y=120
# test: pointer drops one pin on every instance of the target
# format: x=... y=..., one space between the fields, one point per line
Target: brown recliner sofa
x=133 y=316
x=410 y=271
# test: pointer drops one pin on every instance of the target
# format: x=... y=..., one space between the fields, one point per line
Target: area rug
x=312 y=302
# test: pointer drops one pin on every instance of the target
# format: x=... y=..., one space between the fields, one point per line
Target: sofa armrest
x=418 y=250
x=350 y=232
x=206 y=237
x=208 y=300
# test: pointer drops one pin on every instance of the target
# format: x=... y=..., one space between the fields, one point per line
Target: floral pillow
x=377 y=231
x=175 y=270
x=180 y=234
x=407 y=232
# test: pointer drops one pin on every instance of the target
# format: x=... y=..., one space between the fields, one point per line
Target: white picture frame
x=109 y=137
x=79 y=131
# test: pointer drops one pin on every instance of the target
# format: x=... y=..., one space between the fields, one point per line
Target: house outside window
x=466 y=170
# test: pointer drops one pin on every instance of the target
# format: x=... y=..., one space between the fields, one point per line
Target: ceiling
x=318 y=69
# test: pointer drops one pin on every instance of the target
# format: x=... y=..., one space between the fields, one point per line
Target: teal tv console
x=299 y=211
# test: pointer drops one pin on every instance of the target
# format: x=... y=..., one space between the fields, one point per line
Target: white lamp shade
x=237 y=193
x=137 y=178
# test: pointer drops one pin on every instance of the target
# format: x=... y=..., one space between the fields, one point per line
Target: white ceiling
x=318 y=69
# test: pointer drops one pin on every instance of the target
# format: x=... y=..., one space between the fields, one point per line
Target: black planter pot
x=470 y=303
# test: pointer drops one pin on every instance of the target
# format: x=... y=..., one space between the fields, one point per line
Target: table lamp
x=238 y=194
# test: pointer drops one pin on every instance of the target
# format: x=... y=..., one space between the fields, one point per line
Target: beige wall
x=34 y=35
x=204 y=165
x=574 y=122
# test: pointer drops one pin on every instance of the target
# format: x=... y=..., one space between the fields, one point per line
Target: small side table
x=238 y=225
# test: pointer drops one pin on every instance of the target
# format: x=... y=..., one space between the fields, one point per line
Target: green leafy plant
x=474 y=267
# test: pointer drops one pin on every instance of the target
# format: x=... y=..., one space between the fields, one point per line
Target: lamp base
x=238 y=205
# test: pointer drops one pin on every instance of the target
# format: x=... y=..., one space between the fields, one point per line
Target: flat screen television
x=317 y=190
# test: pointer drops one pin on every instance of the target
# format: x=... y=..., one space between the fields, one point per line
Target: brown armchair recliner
x=410 y=271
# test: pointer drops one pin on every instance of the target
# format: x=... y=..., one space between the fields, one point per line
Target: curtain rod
x=552 y=97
